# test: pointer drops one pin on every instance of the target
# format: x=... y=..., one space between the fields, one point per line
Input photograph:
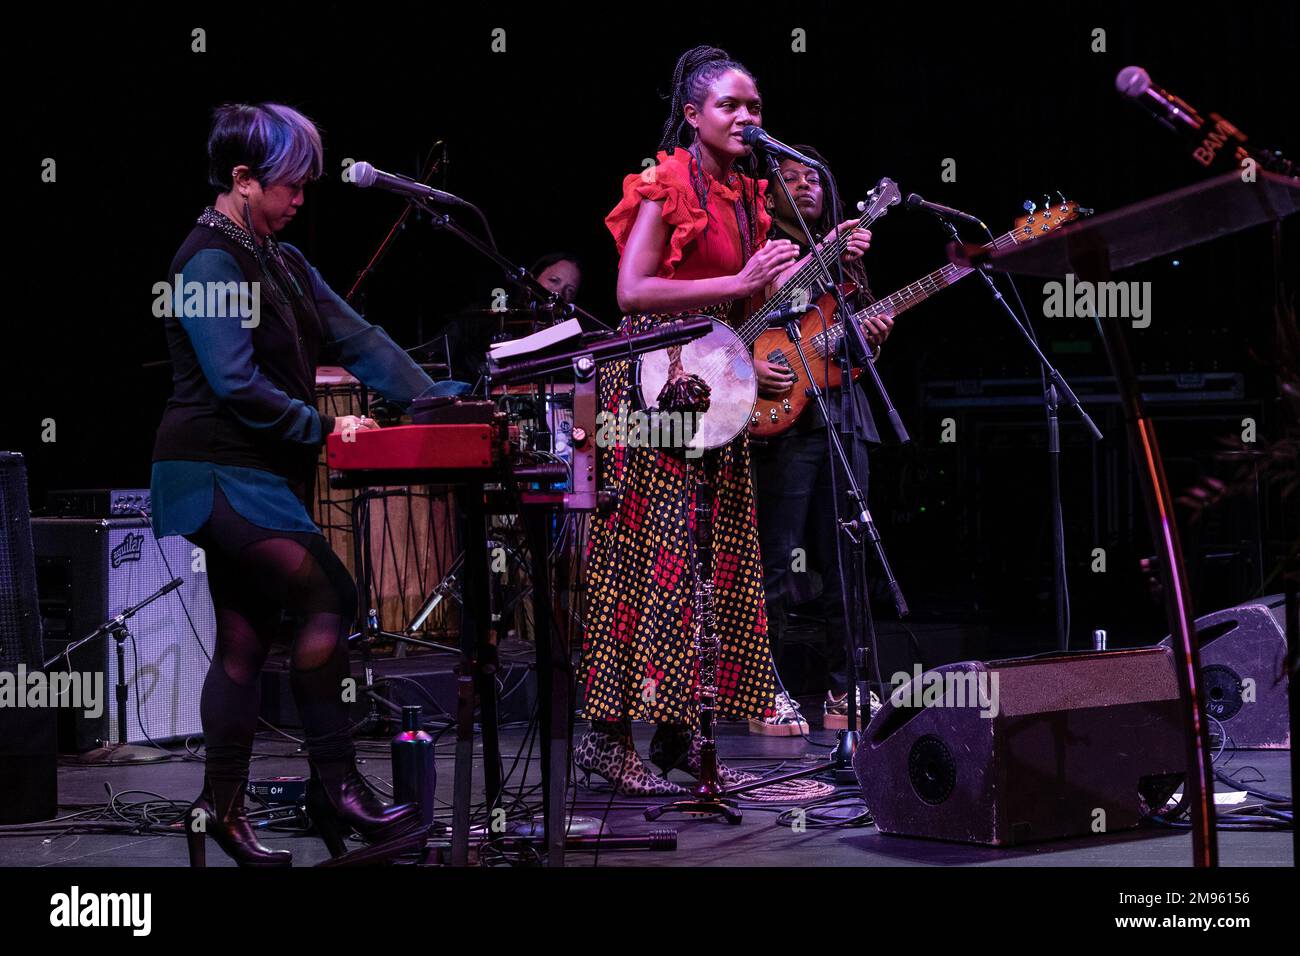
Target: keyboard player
x=234 y=465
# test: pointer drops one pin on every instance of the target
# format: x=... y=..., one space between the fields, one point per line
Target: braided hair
x=693 y=75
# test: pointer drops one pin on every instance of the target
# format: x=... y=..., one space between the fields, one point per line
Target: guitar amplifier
x=96 y=503
x=87 y=571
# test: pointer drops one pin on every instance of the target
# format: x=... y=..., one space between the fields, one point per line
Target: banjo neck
x=808 y=277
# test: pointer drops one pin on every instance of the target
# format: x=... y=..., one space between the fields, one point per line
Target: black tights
x=254 y=574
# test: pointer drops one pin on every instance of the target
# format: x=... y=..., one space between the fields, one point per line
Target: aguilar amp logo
x=128 y=550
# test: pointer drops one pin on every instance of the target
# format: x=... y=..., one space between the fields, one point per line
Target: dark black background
x=541 y=136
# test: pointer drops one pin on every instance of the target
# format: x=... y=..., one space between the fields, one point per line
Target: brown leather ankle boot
x=339 y=800
x=219 y=812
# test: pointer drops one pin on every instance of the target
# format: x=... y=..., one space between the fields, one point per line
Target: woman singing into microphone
x=234 y=463
x=691 y=233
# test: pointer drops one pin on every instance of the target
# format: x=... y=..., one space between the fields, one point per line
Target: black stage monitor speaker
x=1243 y=672
x=89 y=569
x=1027 y=749
x=28 y=754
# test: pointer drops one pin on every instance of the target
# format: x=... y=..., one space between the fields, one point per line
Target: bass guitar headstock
x=1038 y=221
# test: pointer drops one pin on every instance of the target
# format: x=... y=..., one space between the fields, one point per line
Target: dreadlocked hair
x=829 y=217
x=694 y=73
x=827 y=221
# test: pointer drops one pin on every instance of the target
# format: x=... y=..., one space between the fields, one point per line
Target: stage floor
x=757 y=841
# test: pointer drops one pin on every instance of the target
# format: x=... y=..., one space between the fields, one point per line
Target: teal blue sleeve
x=224 y=346
x=363 y=349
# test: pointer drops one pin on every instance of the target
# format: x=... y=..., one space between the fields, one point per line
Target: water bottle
x=414 y=774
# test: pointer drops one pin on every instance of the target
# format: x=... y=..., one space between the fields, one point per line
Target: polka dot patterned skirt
x=638 y=660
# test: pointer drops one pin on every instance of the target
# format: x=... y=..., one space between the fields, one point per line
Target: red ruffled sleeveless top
x=691 y=253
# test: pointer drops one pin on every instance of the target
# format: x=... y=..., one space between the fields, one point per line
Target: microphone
x=789 y=311
x=365 y=176
x=943 y=212
x=1214 y=141
x=1173 y=113
x=754 y=136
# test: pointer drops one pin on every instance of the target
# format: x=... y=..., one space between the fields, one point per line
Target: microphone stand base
x=118 y=753
x=842 y=756
x=699 y=804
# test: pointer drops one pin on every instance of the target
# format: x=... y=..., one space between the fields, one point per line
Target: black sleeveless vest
x=286 y=345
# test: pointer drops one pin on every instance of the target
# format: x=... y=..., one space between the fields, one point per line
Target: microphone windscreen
x=1133 y=81
x=363 y=174
x=913 y=200
x=750 y=134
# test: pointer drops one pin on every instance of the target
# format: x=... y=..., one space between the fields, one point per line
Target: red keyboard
x=416 y=454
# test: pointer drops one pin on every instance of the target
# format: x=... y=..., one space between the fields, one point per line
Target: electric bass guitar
x=821 y=338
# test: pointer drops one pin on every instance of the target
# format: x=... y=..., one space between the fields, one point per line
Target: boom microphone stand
x=400 y=224
x=1055 y=387
x=861 y=528
x=545 y=299
x=118 y=751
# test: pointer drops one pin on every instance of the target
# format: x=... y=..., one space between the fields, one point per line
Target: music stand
x=555 y=680
x=1092 y=250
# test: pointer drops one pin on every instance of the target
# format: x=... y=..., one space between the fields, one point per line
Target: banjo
x=722 y=357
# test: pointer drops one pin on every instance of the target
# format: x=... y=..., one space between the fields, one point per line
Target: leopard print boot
x=608 y=751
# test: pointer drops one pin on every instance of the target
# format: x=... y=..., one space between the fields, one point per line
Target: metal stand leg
x=1199 y=786
x=476 y=651
x=554 y=688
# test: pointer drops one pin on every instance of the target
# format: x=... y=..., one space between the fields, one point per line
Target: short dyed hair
x=276 y=142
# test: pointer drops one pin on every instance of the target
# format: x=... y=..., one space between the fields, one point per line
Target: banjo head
x=723 y=360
